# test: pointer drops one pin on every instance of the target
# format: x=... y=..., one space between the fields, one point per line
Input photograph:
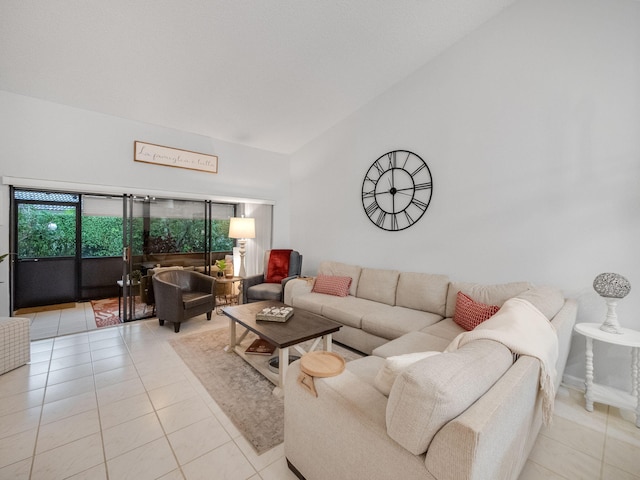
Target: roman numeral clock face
x=396 y=190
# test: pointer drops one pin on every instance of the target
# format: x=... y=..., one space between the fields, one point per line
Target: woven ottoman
x=15 y=348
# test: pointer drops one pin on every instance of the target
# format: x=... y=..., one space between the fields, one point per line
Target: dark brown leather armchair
x=182 y=294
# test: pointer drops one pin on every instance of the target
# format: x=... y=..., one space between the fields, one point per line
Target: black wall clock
x=396 y=190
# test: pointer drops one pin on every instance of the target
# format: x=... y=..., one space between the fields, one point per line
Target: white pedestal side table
x=601 y=393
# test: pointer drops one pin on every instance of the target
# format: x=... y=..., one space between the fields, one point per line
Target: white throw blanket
x=524 y=330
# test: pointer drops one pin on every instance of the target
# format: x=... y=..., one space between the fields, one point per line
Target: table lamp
x=242 y=228
x=612 y=287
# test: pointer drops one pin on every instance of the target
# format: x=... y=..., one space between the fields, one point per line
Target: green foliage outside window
x=51 y=233
x=102 y=236
x=175 y=235
x=45 y=232
x=220 y=241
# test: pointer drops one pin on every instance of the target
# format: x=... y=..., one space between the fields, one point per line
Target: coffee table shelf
x=301 y=327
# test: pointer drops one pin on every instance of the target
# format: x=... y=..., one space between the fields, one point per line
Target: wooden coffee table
x=302 y=326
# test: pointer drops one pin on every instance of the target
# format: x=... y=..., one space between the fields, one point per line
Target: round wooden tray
x=322 y=364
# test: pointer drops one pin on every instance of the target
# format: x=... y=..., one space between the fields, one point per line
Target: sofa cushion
x=366 y=368
x=447 y=329
x=394 y=366
x=378 y=285
x=345 y=310
x=423 y=291
x=195 y=299
x=393 y=322
x=469 y=313
x=265 y=291
x=489 y=294
x=411 y=342
x=312 y=302
x=342 y=270
x=433 y=391
x=332 y=285
x=349 y=310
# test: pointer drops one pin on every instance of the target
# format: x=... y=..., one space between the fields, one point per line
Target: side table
x=232 y=298
x=608 y=395
x=134 y=290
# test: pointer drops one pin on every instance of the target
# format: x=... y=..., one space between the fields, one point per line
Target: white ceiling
x=272 y=74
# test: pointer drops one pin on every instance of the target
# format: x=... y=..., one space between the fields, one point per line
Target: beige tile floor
x=66 y=321
x=118 y=403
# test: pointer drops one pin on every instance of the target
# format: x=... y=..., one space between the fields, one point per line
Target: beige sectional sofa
x=472 y=413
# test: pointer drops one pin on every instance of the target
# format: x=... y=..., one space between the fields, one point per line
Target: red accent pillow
x=332 y=285
x=469 y=313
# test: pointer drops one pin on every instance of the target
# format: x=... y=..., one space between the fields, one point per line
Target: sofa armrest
x=253 y=280
x=493 y=437
x=296 y=286
x=341 y=433
x=564 y=322
x=284 y=282
x=168 y=298
x=249 y=282
x=202 y=283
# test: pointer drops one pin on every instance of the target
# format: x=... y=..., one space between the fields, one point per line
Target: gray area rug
x=238 y=389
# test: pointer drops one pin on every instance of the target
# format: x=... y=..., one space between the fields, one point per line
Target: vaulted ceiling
x=271 y=74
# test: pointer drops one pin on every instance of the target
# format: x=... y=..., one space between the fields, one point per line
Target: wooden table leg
x=232 y=337
x=327 y=342
x=283 y=365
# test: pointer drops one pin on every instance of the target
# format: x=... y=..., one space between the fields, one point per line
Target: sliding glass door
x=133 y=215
x=169 y=232
x=77 y=247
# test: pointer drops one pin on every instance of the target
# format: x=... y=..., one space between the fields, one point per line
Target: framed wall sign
x=174 y=157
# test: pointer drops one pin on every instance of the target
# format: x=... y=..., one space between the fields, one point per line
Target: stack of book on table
x=275 y=314
x=260 y=347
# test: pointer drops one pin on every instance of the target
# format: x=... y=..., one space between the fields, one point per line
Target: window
x=101 y=226
x=46 y=224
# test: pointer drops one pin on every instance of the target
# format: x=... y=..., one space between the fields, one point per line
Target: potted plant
x=222 y=265
x=136 y=275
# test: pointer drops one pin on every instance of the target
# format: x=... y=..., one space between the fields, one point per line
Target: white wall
x=530 y=127
x=44 y=140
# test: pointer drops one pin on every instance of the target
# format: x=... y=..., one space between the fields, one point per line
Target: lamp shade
x=240 y=227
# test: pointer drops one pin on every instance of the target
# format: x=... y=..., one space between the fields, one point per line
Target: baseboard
x=44 y=308
x=295 y=470
x=573 y=382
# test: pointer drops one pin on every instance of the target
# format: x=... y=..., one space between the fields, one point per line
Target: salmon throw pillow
x=469 y=313
x=332 y=285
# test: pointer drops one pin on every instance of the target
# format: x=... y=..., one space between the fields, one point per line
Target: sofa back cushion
x=434 y=391
x=488 y=294
x=342 y=270
x=177 y=277
x=422 y=291
x=378 y=285
x=548 y=300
